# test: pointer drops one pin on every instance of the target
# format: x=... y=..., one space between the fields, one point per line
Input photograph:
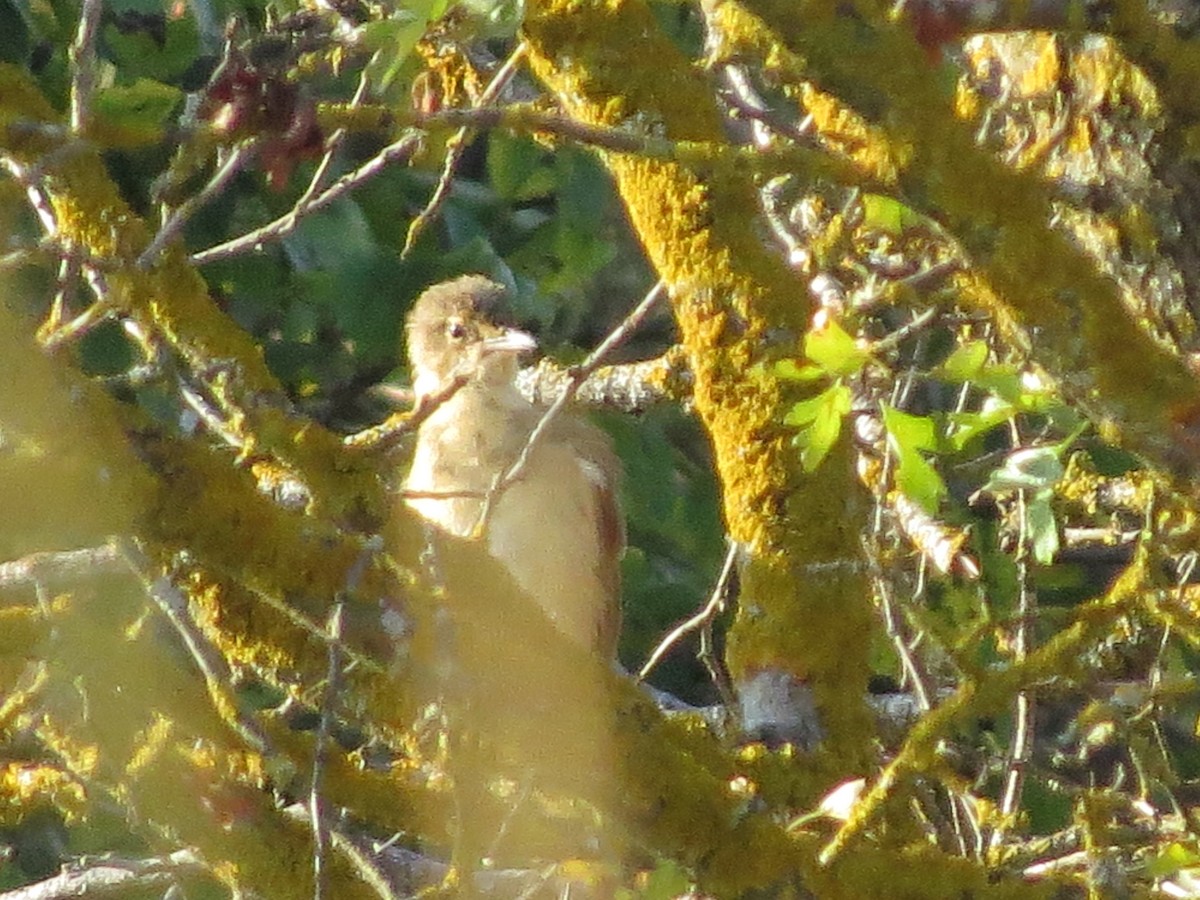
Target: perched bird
x=556 y=528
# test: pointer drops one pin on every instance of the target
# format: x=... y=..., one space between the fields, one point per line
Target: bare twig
x=28 y=176
x=225 y=173
x=703 y=618
x=632 y=387
x=218 y=679
x=22 y=256
x=287 y=223
x=331 y=690
x=744 y=97
x=392 y=429
x=1023 y=709
x=111 y=876
x=578 y=375
x=317 y=182
x=527 y=119
x=83 y=64
x=457 y=145
x=918 y=681
x=321 y=749
x=48 y=565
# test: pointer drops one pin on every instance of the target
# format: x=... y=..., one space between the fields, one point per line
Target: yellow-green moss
x=728 y=291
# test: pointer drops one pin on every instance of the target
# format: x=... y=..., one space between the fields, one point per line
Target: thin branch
x=578 y=375
x=332 y=146
x=218 y=679
x=632 y=387
x=287 y=223
x=83 y=64
x=112 y=876
x=457 y=146
x=64 y=564
x=23 y=256
x=1023 y=736
x=917 y=678
x=321 y=748
x=330 y=693
x=28 y=176
x=527 y=119
x=707 y=613
x=54 y=331
x=392 y=429
x=175 y=223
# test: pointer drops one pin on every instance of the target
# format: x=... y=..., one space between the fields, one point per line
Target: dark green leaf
x=519 y=169
x=137 y=111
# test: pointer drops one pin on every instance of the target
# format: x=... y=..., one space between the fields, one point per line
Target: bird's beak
x=510 y=340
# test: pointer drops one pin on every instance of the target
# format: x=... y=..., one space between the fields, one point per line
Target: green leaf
x=135 y=112
x=793 y=370
x=835 y=351
x=396 y=37
x=147 y=53
x=668 y=881
x=887 y=214
x=965 y=427
x=820 y=419
x=908 y=435
x=1002 y=380
x=1041 y=527
x=919 y=481
x=519 y=170
x=909 y=431
x=803 y=412
x=965 y=363
x=1027 y=470
x=1171 y=859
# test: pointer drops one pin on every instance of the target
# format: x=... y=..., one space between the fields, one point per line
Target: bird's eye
x=456 y=329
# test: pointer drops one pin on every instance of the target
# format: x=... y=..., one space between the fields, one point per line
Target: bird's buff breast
x=535 y=526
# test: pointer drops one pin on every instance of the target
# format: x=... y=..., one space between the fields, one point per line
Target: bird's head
x=455 y=328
